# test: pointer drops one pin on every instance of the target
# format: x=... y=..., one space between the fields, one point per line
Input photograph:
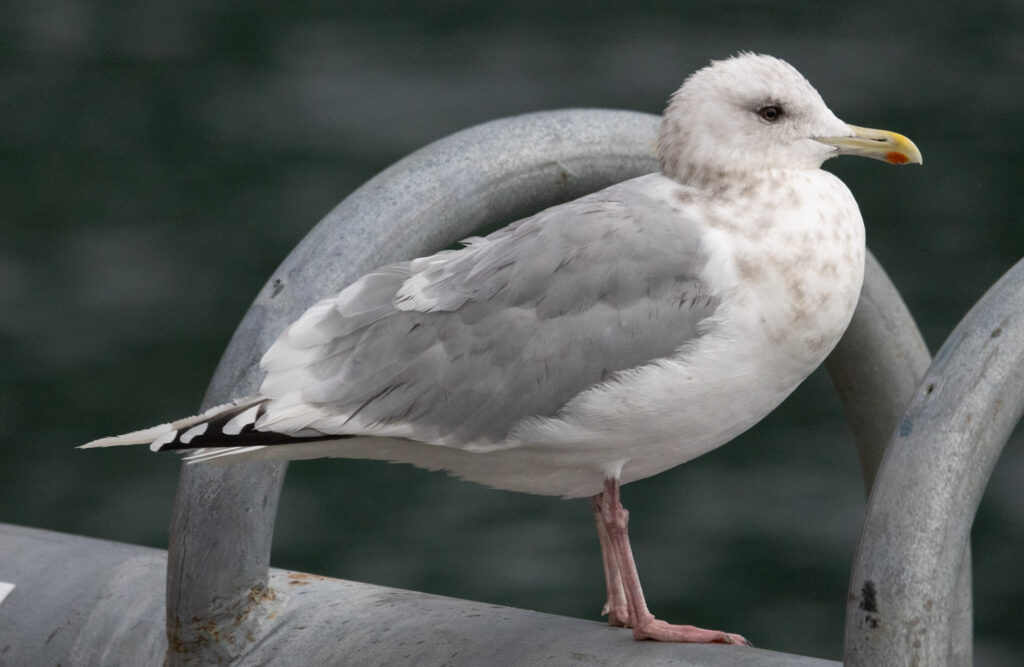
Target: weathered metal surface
x=877 y=366
x=446 y=191
x=81 y=601
x=903 y=607
x=223 y=519
x=223 y=606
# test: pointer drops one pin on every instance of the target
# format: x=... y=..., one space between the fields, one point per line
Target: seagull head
x=754 y=113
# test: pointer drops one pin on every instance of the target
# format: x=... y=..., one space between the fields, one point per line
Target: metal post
x=217 y=590
x=903 y=607
x=877 y=366
x=218 y=597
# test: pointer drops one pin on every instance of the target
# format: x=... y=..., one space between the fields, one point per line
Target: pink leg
x=614 y=538
x=616 y=607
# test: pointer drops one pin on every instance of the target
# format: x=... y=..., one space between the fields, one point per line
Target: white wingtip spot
x=143 y=437
x=5 y=589
x=163 y=440
x=235 y=426
x=194 y=432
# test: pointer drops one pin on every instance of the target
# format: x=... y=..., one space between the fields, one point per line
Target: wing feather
x=458 y=347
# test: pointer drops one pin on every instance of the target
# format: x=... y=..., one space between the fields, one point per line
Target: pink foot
x=617 y=616
x=626 y=606
x=661 y=631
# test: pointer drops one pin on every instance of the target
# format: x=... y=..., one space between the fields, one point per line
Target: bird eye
x=770 y=113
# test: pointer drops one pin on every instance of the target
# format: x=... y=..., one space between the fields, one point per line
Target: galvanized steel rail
x=224 y=604
x=904 y=590
x=223 y=520
x=108 y=610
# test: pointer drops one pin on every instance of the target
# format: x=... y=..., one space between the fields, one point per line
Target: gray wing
x=464 y=344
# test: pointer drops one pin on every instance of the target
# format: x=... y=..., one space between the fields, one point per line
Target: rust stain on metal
x=303 y=579
x=223 y=625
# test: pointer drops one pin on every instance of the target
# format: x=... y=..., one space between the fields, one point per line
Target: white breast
x=790 y=274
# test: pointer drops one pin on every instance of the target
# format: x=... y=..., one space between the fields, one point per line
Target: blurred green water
x=158 y=161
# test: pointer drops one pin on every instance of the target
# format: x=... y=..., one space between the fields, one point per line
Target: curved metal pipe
x=217 y=587
x=106 y=610
x=877 y=366
x=223 y=518
x=903 y=605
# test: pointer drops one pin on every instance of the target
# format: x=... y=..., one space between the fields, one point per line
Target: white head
x=753 y=113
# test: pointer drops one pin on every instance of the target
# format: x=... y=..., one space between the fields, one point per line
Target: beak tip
x=899 y=157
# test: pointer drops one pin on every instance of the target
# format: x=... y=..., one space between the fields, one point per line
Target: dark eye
x=770 y=113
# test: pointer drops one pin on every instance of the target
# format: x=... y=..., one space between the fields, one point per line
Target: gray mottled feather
x=511 y=326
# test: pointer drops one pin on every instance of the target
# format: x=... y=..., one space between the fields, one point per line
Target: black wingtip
x=211 y=433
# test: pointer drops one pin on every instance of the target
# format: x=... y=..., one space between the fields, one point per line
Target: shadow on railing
x=910 y=592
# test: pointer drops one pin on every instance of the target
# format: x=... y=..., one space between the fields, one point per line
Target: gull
x=597 y=342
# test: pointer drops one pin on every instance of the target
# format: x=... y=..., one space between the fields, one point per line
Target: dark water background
x=158 y=160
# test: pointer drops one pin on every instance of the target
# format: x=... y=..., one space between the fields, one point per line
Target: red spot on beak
x=896 y=158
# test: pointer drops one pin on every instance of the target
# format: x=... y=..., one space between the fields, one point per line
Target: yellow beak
x=878 y=144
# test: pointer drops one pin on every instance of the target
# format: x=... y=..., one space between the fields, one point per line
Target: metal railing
x=910 y=590
x=910 y=594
